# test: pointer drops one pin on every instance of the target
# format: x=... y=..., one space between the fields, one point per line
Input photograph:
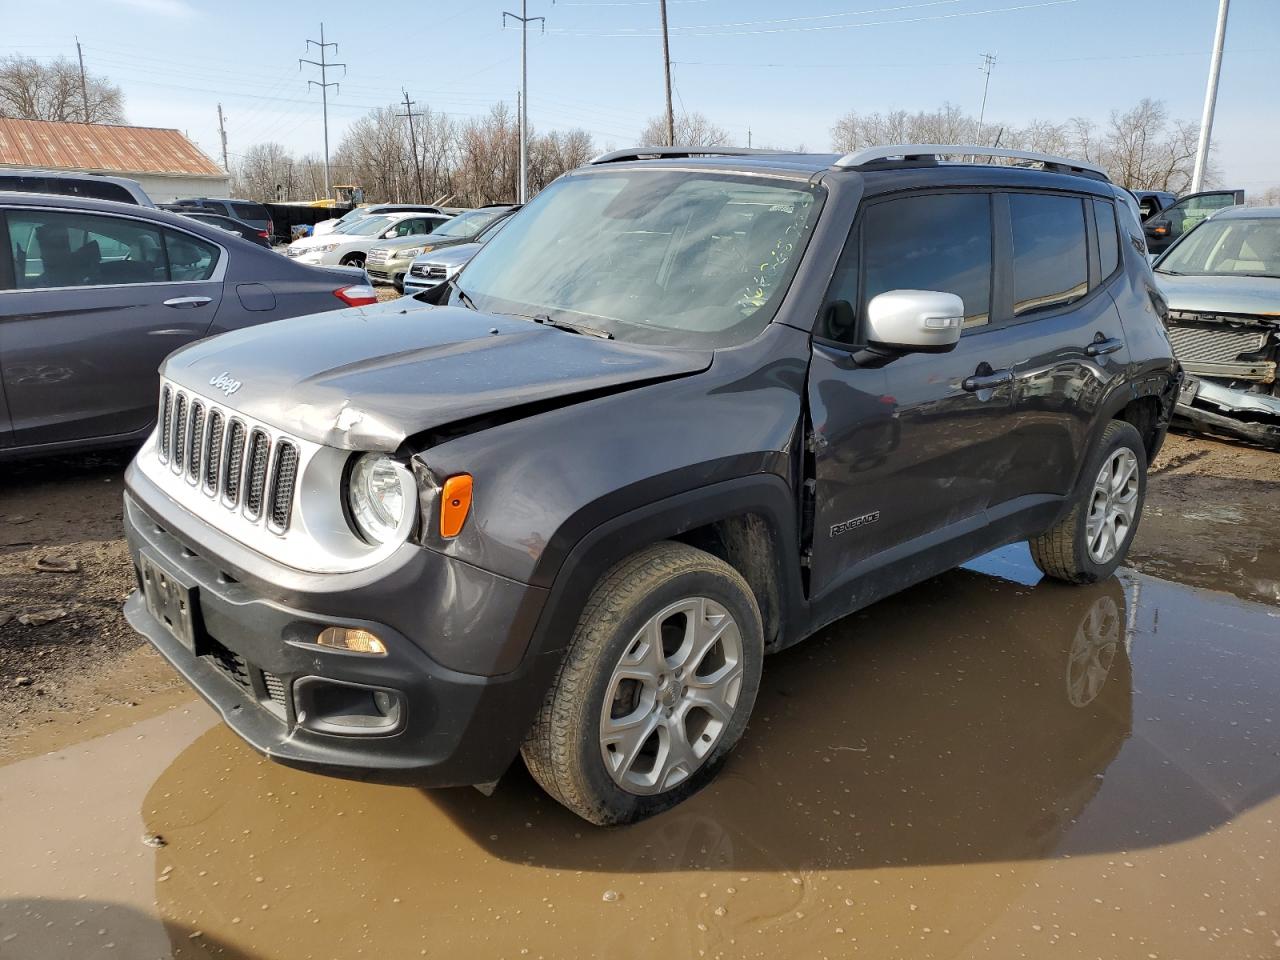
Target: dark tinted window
x=940 y=242
x=1050 y=264
x=249 y=211
x=1108 y=245
x=68 y=187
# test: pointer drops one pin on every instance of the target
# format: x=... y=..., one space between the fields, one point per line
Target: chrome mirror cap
x=925 y=321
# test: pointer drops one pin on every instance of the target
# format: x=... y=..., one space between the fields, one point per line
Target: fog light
x=353 y=639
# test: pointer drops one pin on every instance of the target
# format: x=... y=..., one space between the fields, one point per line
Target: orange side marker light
x=455 y=504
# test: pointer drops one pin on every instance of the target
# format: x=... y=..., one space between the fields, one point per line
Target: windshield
x=357 y=214
x=468 y=224
x=364 y=227
x=1224 y=248
x=651 y=256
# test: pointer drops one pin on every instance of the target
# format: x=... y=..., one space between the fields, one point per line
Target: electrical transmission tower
x=324 y=84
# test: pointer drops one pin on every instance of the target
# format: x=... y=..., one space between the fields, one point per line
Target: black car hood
x=368 y=377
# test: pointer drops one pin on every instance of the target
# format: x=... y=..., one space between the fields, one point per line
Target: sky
x=779 y=72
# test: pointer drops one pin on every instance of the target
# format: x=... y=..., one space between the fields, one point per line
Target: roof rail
x=654 y=153
x=930 y=152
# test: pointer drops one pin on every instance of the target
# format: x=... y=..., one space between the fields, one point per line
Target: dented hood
x=1253 y=296
x=368 y=377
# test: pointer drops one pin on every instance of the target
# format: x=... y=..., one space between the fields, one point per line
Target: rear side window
x=1050 y=260
x=190 y=258
x=934 y=242
x=1104 y=213
x=249 y=211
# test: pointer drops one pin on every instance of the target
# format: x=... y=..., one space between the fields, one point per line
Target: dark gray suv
x=682 y=411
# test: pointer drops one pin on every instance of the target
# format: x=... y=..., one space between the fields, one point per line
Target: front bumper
x=388 y=271
x=251 y=660
x=1243 y=414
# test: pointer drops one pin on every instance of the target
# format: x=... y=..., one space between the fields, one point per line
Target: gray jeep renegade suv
x=683 y=411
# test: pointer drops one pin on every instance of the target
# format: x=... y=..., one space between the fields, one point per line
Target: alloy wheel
x=671 y=696
x=1113 y=505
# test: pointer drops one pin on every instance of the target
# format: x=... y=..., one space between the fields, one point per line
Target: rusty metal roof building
x=166 y=163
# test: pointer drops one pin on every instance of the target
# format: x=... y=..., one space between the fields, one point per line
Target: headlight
x=377 y=497
x=330 y=247
x=411 y=252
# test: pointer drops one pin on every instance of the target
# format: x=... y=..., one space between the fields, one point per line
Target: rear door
x=1167 y=225
x=1064 y=253
x=96 y=302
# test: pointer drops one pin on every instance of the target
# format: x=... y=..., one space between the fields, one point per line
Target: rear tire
x=1093 y=539
x=655 y=688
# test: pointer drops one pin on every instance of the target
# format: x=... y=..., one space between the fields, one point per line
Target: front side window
x=52 y=249
x=1050 y=258
x=938 y=242
x=1225 y=248
x=683 y=258
x=249 y=211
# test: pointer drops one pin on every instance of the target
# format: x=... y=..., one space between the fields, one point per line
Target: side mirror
x=915 y=321
x=389 y=234
x=1158 y=229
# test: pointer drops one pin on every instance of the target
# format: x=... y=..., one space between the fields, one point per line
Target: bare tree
x=692 y=130
x=266 y=172
x=1141 y=147
x=31 y=90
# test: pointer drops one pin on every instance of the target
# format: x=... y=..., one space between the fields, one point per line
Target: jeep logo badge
x=225 y=383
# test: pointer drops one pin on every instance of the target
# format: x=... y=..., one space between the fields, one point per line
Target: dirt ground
x=64 y=569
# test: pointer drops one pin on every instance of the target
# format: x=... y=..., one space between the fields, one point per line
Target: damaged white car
x=1222 y=281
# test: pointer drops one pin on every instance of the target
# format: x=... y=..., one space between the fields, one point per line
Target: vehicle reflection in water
x=945 y=736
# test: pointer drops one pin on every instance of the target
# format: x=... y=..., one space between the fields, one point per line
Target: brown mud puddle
x=984 y=766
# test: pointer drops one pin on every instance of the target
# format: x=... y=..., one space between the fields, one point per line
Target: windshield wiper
x=581 y=328
x=463 y=296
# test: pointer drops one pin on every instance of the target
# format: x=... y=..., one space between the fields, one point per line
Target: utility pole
x=748 y=138
x=324 y=84
x=413 y=142
x=988 y=61
x=84 y=87
x=1210 y=99
x=666 y=67
x=524 y=20
x=222 y=132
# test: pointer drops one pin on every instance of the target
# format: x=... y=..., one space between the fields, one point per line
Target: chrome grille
x=179 y=432
x=259 y=453
x=1207 y=345
x=242 y=465
x=213 y=454
x=436 y=271
x=166 y=421
x=282 y=482
x=235 y=464
x=196 y=456
x=376 y=255
x=418 y=270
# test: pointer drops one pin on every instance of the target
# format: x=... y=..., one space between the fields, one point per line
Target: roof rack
x=930 y=152
x=654 y=153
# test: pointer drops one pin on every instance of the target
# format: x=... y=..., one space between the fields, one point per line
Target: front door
x=907 y=452
x=97 y=301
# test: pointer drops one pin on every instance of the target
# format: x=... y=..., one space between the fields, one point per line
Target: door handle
x=1103 y=345
x=187 y=302
x=985 y=381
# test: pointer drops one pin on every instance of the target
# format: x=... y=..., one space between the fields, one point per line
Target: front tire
x=353 y=260
x=655 y=688
x=1093 y=539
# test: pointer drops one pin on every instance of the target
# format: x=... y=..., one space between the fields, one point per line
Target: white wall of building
x=168 y=189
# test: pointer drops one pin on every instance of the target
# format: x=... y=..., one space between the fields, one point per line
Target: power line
x=324 y=84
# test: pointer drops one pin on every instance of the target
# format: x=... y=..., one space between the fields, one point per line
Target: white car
x=373 y=209
x=349 y=244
